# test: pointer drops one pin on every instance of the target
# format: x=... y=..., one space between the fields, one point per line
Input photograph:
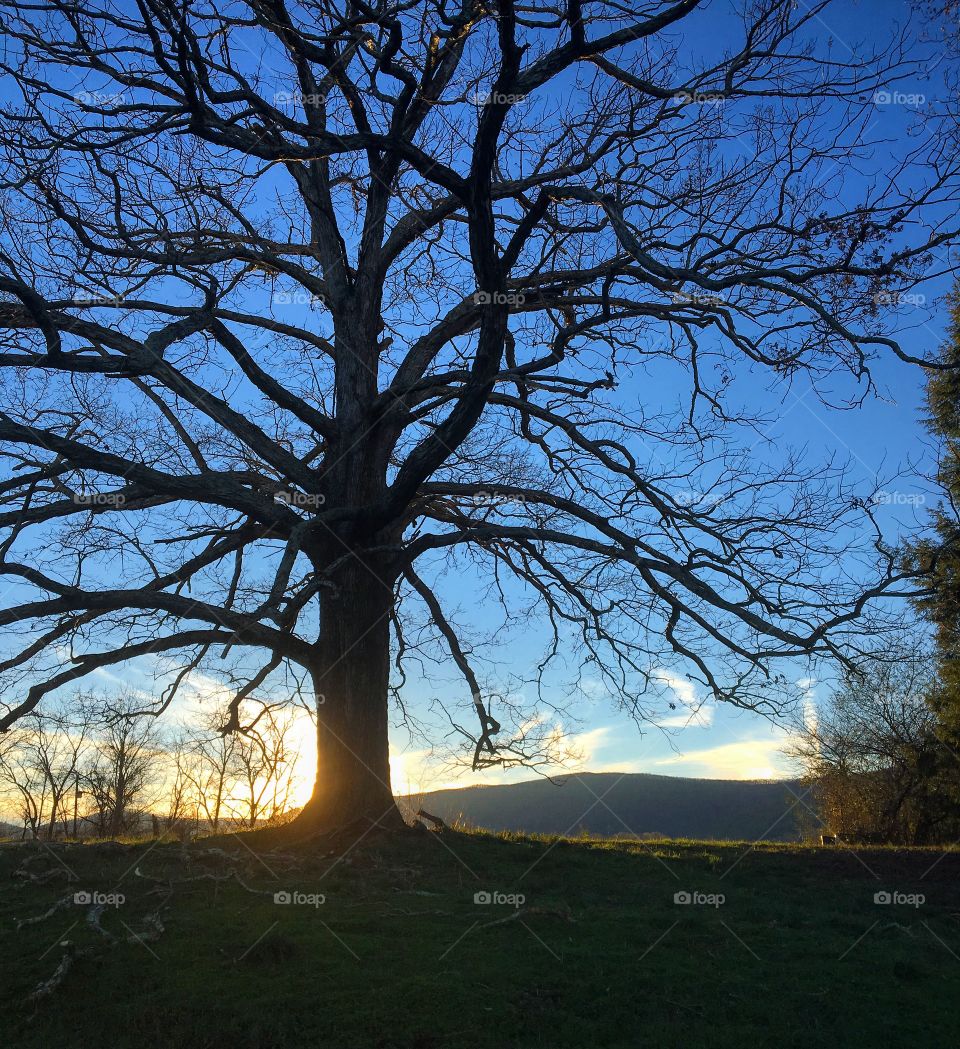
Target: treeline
x=877 y=759
x=104 y=767
x=883 y=756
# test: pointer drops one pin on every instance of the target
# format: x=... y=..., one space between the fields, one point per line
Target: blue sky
x=885 y=446
x=882 y=441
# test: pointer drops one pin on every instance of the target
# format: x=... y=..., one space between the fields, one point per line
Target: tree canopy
x=306 y=303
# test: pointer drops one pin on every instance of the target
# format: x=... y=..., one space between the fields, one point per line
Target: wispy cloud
x=692 y=712
x=759 y=758
x=807 y=686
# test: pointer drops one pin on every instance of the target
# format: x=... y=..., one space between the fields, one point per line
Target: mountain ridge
x=639 y=804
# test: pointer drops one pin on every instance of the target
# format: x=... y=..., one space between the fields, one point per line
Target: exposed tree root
x=304 y=836
x=57 y=870
x=60 y=905
x=53 y=874
x=529 y=912
x=47 y=987
x=153 y=930
x=230 y=875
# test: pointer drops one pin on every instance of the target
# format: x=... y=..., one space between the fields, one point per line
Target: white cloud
x=411 y=772
x=699 y=718
x=683 y=689
x=744 y=759
x=693 y=713
x=588 y=744
x=420 y=771
x=807 y=686
x=594 y=688
x=637 y=765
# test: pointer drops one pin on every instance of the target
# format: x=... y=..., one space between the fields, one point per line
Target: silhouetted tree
x=307 y=302
x=125 y=764
x=871 y=754
x=265 y=761
x=206 y=770
x=40 y=771
x=938 y=555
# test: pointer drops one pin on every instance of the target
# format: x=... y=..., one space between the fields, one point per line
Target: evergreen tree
x=938 y=556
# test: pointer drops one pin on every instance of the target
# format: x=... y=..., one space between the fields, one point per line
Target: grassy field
x=383 y=945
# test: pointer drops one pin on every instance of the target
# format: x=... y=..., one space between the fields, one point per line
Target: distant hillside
x=637 y=804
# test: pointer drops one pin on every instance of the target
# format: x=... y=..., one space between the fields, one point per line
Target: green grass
x=399 y=956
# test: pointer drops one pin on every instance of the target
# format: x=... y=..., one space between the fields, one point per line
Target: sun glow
x=412 y=772
x=303 y=736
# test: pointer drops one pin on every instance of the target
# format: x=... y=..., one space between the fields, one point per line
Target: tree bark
x=351 y=680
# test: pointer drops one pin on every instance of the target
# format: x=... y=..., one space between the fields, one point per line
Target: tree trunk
x=351 y=679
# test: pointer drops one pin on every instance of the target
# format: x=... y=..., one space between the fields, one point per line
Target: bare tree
x=124 y=765
x=244 y=777
x=874 y=758
x=24 y=791
x=265 y=760
x=306 y=304
x=181 y=806
x=208 y=767
x=41 y=770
